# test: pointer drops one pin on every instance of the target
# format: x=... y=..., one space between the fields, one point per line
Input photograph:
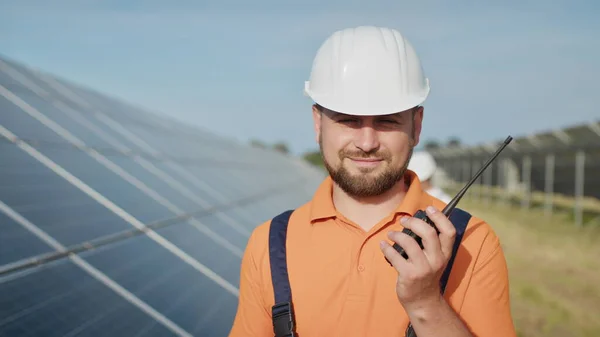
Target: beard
x=367 y=184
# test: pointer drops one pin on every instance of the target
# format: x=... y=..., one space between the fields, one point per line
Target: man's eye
x=389 y=121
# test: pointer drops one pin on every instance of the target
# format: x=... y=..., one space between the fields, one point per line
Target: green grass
x=554 y=269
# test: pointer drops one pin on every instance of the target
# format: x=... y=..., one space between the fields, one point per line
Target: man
x=368 y=87
x=423 y=164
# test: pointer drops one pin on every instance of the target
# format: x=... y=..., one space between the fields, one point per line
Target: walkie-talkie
x=450 y=206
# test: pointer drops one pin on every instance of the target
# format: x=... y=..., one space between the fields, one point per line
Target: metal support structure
x=456 y=167
x=532 y=173
x=549 y=188
x=481 y=181
x=477 y=190
x=579 y=186
x=466 y=171
x=505 y=195
x=446 y=167
x=501 y=181
x=526 y=182
x=488 y=184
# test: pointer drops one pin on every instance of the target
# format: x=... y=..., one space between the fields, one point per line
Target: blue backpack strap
x=460 y=219
x=282 y=311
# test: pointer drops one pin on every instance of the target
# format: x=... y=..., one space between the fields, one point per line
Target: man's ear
x=417 y=124
x=317 y=114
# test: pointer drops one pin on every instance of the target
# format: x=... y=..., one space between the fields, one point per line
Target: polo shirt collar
x=322 y=207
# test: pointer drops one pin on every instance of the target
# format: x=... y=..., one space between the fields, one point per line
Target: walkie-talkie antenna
x=452 y=204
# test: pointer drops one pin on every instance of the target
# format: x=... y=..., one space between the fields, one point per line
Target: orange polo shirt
x=343 y=286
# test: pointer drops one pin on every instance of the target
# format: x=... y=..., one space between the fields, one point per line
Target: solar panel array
x=563 y=145
x=115 y=221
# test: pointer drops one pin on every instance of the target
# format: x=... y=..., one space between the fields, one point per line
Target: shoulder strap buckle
x=283 y=320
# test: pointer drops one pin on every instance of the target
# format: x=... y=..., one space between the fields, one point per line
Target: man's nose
x=366 y=139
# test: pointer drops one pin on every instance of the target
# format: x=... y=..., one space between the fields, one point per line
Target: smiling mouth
x=366 y=160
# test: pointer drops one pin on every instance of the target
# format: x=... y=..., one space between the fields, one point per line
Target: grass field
x=554 y=270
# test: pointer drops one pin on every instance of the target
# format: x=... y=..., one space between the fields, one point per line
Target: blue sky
x=238 y=67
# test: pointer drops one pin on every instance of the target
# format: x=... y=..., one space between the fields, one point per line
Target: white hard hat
x=423 y=164
x=367 y=71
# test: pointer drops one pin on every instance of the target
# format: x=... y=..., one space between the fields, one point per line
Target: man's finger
x=411 y=247
x=431 y=241
x=397 y=261
x=446 y=228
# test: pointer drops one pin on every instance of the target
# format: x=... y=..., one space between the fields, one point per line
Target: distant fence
x=553 y=170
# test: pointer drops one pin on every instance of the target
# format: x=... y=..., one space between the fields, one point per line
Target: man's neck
x=367 y=212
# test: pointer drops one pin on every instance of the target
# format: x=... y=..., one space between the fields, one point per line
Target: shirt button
x=361 y=268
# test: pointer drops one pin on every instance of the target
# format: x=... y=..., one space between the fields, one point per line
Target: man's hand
x=418 y=285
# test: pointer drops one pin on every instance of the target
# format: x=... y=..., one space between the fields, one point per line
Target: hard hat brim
x=375 y=108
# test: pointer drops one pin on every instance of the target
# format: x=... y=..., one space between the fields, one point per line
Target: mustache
x=364 y=155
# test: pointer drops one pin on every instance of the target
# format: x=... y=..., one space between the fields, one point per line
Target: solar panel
x=120 y=222
x=563 y=144
x=16 y=242
x=65 y=300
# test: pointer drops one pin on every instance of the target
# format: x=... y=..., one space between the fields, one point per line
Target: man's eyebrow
x=337 y=115
x=397 y=116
